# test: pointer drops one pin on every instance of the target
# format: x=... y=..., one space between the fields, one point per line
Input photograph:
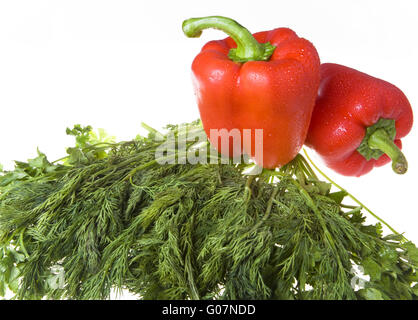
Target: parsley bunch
x=108 y=216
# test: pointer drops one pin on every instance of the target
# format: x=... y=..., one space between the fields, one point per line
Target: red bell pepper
x=358 y=121
x=267 y=81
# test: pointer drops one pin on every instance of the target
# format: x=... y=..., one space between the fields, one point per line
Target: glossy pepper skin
x=276 y=95
x=358 y=121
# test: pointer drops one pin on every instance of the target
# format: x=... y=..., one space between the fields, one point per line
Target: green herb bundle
x=109 y=216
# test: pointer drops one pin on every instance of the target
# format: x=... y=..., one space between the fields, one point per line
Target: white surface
x=113 y=64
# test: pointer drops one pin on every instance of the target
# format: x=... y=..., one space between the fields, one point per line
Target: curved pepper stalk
x=380 y=140
x=248 y=48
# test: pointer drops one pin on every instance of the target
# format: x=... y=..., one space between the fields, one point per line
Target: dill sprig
x=109 y=216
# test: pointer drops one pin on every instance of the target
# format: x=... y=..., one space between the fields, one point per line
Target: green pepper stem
x=248 y=48
x=380 y=140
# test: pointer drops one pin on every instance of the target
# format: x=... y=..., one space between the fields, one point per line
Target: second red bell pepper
x=266 y=81
x=358 y=121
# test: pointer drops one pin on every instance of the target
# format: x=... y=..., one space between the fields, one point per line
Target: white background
x=113 y=64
